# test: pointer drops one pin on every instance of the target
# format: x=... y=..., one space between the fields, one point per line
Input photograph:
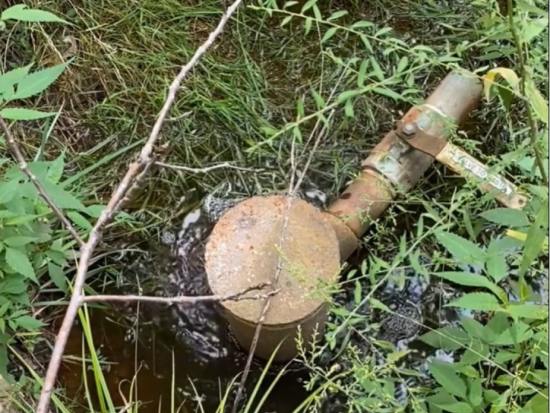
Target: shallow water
x=192 y=343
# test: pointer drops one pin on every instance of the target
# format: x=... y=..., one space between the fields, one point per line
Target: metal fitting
x=409 y=129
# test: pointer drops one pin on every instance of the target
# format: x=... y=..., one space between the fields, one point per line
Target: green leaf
x=403 y=63
x=496 y=266
x=378 y=72
x=516 y=334
x=535 y=238
x=534 y=29
x=24 y=114
x=308 y=5
x=362 y=24
x=348 y=94
x=22 y=13
x=504 y=356
x=9 y=79
x=476 y=392
x=476 y=352
x=538 y=102
x=319 y=101
x=462 y=249
x=473 y=327
x=348 y=109
x=307 y=25
x=29 y=323
x=55 y=171
x=512 y=218
x=7 y=191
x=62 y=198
x=330 y=32
x=388 y=93
x=37 y=82
x=79 y=220
x=57 y=276
x=18 y=241
x=446 y=376
x=530 y=311
x=13 y=284
x=362 y=73
x=472 y=280
x=476 y=301
x=20 y=262
x=446 y=338
x=539 y=402
x=337 y=15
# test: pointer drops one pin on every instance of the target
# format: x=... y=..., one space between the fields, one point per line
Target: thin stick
x=114 y=203
x=293 y=187
x=14 y=148
x=182 y=299
x=206 y=169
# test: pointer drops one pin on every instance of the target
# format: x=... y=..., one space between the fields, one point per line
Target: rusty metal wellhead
x=248 y=245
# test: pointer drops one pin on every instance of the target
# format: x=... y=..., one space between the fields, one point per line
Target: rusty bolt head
x=409 y=129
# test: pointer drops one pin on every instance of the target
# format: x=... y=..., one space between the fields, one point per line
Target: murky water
x=187 y=350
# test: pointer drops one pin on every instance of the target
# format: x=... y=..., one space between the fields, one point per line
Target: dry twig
x=205 y=169
x=184 y=299
x=14 y=148
x=126 y=185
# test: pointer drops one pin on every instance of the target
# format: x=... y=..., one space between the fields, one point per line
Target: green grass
x=250 y=81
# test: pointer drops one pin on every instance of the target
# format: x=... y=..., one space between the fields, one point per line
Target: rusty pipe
x=393 y=166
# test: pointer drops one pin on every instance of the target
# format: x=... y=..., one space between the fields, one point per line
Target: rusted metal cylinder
x=393 y=166
x=267 y=238
x=261 y=240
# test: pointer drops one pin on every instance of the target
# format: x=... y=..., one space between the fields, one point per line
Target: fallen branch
x=126 y=185
x=14 y=148
x=183 y=299
x=206 y=169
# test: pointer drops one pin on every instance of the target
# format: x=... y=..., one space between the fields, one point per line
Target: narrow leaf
x=337 y=15
x=22 y=13
x=330 y=32
x=362 y=73
x=24 y=114
x=55 y=171
x=388 y=93
x=342 y=97
x=319 y=101
x=377 y=69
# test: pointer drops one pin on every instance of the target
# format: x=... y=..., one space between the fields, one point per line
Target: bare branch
x=206 y=169
x=14 y=148
x=184 y=299
x=114 y=204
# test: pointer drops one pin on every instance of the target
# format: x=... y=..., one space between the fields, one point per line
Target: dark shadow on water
x=153 y=355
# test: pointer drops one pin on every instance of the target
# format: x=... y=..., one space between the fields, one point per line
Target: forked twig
x=14 y=148
x=127 y=183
